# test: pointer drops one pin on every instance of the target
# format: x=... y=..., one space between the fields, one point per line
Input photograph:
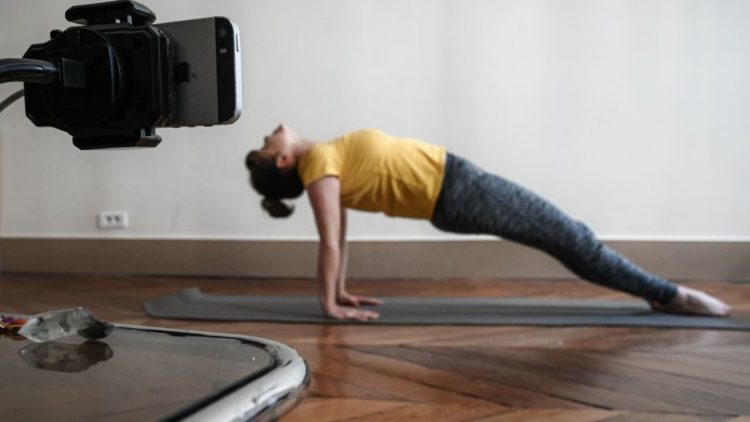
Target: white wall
x=633 y=116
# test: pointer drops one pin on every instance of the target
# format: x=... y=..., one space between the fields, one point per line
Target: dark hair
x=273 y=183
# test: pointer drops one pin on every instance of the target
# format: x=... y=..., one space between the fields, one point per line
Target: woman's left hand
x=354 y=300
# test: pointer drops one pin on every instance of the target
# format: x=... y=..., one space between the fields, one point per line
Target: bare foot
x=695 y=302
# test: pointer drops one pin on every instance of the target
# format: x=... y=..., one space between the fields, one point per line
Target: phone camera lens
x=221 y=32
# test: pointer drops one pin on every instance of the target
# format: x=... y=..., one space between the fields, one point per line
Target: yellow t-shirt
x=400 y=177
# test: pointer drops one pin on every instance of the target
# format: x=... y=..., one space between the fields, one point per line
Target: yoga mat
x=193 y=304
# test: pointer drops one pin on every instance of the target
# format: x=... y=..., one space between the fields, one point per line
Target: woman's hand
x=344 y=298
x=348 y=312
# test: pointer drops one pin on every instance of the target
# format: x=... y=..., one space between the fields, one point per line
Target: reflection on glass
x=65 y=357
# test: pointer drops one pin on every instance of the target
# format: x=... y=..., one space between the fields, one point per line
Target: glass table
x=145 y=373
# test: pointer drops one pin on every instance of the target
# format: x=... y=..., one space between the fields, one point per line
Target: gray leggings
x=474 y=201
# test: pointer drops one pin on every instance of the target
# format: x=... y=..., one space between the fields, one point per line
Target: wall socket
x=112 y=220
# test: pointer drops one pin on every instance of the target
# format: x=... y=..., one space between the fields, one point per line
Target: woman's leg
x=474 y=201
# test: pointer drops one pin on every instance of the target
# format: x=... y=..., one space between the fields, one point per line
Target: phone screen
x=207 y=71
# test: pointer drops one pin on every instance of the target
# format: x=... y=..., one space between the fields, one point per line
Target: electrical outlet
x=112 y=220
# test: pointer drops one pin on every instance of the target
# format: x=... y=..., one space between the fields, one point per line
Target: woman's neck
x=303 y=146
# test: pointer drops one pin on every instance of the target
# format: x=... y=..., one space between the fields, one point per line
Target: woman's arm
x=341 y=285
x=342 y=296
x=326 y=204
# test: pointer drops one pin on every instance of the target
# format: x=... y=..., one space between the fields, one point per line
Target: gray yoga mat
x=193 y=304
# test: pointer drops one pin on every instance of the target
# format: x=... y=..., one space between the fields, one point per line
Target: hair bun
x=276 y=208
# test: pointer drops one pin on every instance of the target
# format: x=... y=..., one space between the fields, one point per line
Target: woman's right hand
x=348 y=312
x=344 y=298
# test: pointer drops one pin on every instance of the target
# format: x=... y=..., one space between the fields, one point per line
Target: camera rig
x=108 y=82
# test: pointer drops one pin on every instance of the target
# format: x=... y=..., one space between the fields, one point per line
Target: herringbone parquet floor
x=459 y=373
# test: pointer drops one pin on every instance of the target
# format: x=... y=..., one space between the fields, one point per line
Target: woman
x=371 y=171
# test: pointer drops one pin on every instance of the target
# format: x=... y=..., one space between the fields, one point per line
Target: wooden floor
x=458 y=373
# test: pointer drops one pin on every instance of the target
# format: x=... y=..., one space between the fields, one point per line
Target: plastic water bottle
x=53 y=325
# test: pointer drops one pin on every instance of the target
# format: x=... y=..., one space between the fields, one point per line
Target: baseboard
x=367 y=259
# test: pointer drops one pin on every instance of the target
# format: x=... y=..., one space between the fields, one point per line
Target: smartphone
x=207 y=71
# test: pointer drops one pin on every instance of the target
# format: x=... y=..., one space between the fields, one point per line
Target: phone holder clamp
x=115 y=84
